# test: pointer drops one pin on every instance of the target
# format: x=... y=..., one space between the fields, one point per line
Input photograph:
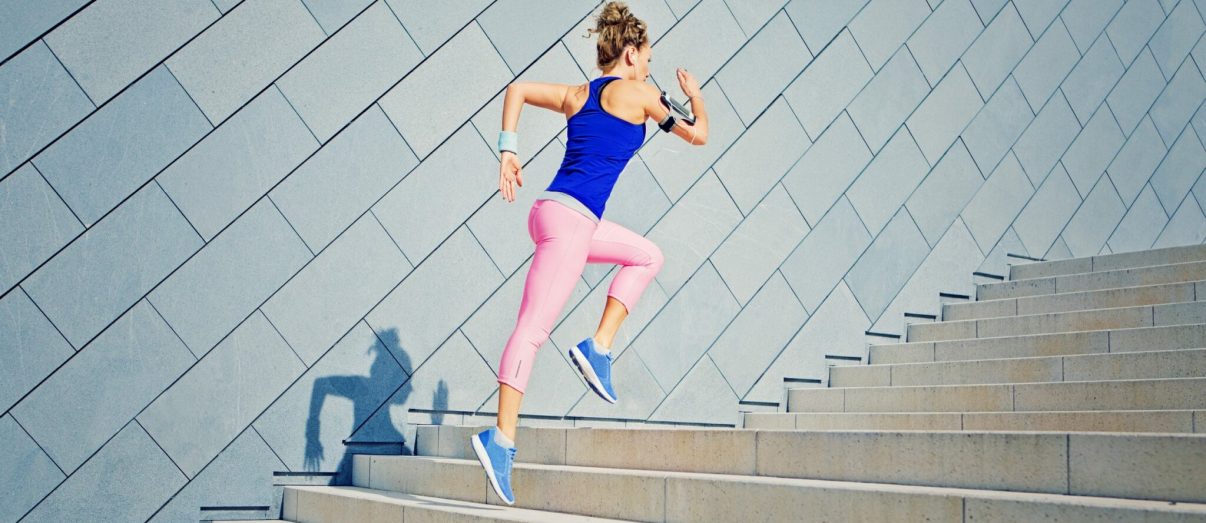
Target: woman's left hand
x=509 y=173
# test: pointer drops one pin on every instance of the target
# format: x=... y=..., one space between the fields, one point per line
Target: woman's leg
x=563 y=238
x=640 y=259
x=614 y=314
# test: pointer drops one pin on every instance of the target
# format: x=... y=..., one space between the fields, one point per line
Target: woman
x=606 y=127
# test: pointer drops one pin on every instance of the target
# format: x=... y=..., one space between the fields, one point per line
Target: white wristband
x=508 y=141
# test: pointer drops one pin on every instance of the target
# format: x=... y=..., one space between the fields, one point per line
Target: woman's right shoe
x=497 y=461
x=595 y=367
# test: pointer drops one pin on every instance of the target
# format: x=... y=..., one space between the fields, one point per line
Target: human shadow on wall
x=365 y=393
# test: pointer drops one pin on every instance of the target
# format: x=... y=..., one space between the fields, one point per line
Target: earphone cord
x=692 y=131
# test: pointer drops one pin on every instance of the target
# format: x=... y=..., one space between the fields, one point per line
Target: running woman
x=606 y=120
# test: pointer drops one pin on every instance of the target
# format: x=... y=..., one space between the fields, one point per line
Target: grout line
x=274 y=453
x=200 y=236
x=282 y=336
x=290 y=224
x=412 y=38
x=187 y=478
x=1068 y=463
x=376 y=218
x=169 y=326
x=35 y=168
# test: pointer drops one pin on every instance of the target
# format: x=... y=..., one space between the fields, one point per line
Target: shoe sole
x=484 y=459
x=588 y=373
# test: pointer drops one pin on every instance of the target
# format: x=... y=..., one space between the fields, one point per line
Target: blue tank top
x=600 y=145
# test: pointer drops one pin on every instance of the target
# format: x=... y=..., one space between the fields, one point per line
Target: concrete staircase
x=1075 y=390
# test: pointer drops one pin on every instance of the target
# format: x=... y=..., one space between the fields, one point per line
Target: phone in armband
x=681 y=110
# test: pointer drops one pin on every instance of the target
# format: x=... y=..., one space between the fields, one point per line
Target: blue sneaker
x=595 y=368
x=497 y=460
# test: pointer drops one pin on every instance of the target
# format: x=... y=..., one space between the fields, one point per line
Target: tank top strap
x=596 y=88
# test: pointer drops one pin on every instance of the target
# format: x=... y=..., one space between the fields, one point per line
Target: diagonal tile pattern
x=288 y=195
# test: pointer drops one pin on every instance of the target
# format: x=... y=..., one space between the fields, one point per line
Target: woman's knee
x=656 y=260
x=530 y=335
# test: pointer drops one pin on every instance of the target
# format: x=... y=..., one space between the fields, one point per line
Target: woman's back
x=599 y=146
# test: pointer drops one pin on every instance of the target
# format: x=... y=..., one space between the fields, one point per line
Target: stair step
x=1057 y=344
x=1185 y=363
x=1083 y=464
x=1047 y=323
x=1108 y=262
x=329 y=504
x=676 y=496
x=1169 y=421
x=999 y=460
x=1173 y=273
x=1075 y=301
x=1155 y=394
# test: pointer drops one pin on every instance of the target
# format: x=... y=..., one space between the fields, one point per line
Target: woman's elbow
x=514 y=89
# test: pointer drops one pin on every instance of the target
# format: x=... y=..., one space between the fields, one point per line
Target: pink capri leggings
x=565 y=242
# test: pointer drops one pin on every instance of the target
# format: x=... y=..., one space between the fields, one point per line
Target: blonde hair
x=617 y=28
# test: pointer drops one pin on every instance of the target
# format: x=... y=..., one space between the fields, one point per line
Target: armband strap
x=508 y=141
x=667 y=123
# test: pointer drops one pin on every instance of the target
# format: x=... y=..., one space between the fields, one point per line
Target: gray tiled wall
x=240 y=238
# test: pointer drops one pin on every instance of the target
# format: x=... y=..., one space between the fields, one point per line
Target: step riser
x=1109 y=262
x=1104 y=319
x=730 y=451
x=1171 y=394
x=1021 y=462
x=534 y=488
x=728 y=498
x=732 y=499
x=315 y=507
x=1002 y=510
x=331 y=504
x=1190 y=363
x=1184 y=272
x=1059 y=344
x=1081 y=464
x=1108 y=299
x=697 y=500
x=1113 y=421
x=1026 y=462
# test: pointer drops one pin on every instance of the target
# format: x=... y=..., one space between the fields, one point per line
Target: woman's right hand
x=510 y=172
x=686 y=81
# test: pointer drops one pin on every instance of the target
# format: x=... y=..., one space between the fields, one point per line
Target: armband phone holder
x=676 y=108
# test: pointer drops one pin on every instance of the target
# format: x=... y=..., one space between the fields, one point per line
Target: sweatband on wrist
x=508 y=141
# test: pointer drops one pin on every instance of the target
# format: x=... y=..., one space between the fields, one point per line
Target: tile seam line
x=153 y=67
x=44 y=34
x=184 y=153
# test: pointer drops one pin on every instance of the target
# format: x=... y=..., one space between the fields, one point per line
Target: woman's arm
x=695 y=134
x=691 y=89
x=545 y=95
x=701 y=121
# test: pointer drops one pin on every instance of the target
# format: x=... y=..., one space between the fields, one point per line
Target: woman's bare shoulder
x=637 y=86
x=575 y=98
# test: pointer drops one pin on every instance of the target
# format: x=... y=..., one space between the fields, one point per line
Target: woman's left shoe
x=497 y=461
x=595 y=368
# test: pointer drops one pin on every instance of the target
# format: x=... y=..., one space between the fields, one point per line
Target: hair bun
x=615 y=13
x=617 y=27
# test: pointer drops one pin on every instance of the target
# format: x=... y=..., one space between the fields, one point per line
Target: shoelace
x=507 y=462
x=605 y=370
